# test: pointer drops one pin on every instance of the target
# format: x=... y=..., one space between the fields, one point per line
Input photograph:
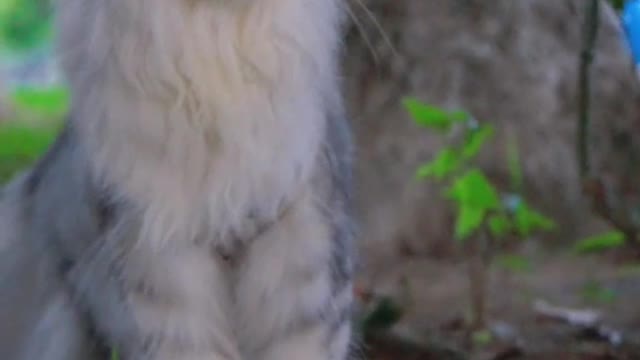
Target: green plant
x=21 y=145
x=24 y=24
x=482 y=337
x=482 y=211
x=37 y=121
x=38 y=103
x=594 y=292
x=480 y=205
x=600 y=243
x=514 y=263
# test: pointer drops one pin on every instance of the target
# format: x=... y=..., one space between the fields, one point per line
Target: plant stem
x=478 y=260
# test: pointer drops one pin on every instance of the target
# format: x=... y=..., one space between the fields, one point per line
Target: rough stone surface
x=513 y=63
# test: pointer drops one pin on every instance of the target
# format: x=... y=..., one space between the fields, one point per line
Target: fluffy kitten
x=196 y=205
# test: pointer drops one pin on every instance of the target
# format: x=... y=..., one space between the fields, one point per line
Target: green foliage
x=600 y=243
x=477 y=200
x=594 y=292
x=48 y=103
x=500 y=225
x=473 y=189
x=21 y=145
x=469 y=220
x=444 y=163
x=38 y=115
x=24 y=24
x=482 y=337
x=514 y=263
x=475 y=196
x=114 y=354
x=433 y=117
x=476 y=138
x=528 y=221
x=480 y=207
x=449 y=159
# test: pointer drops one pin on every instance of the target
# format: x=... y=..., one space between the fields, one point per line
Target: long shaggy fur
x=196 y=205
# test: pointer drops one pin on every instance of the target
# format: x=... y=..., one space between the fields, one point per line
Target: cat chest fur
x=203 y=111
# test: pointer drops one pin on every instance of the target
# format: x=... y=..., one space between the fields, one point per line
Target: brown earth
x=434 y=296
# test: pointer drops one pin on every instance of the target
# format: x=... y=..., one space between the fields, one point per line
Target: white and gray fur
x=196 y=205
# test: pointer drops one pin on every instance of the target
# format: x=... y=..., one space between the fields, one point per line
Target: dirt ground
x=434 y=298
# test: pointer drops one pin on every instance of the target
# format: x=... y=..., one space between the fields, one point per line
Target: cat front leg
x=294 y=288
x=158 y=304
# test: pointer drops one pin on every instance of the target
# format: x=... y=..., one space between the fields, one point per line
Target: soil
x=434 y=297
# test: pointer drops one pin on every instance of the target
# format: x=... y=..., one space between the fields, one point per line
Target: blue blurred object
x=631 y=24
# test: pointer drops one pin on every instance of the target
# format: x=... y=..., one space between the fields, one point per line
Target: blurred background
x=498 y=170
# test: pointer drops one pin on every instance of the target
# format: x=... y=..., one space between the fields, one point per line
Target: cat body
x=196 y=205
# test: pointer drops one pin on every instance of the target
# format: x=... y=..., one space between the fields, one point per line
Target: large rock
x=513 y=63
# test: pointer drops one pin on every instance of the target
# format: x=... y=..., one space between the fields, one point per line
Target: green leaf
x=428 y=116
x=475 y=140
x=473 y=189
x=25 y=24
x=431 y=116
x=596 y=293
x=469 y=220
x=600 y=243
x=528 y=220
x=48 y=102
x=475 y=196
x=499 y=225
x=445 y=162
x=22 y=145
x=114 y=354
x=514 y=263
x=482 y=337
x=459 y=116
